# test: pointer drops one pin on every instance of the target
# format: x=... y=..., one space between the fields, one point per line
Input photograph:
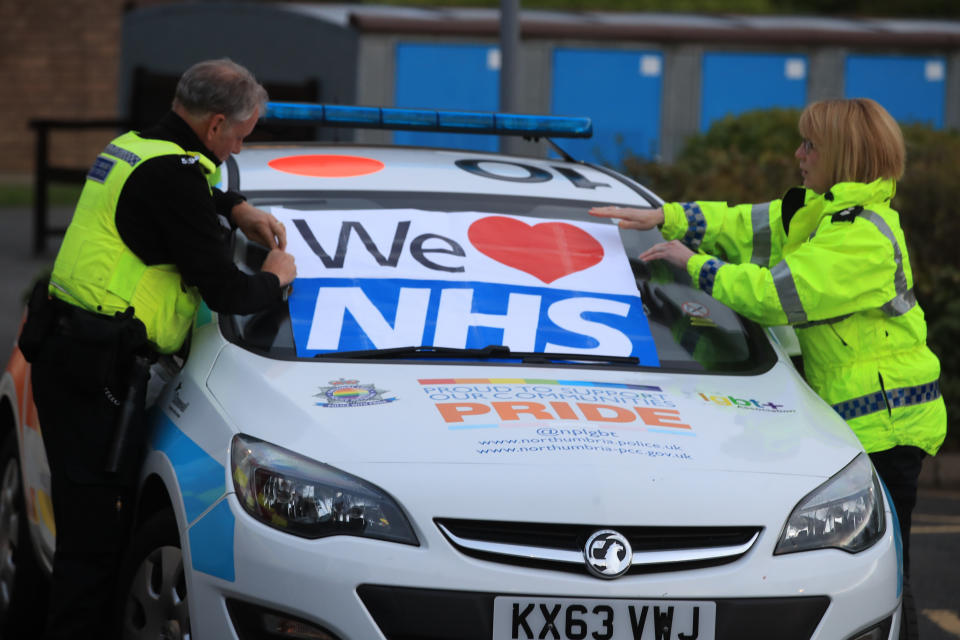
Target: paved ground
x=935 y=556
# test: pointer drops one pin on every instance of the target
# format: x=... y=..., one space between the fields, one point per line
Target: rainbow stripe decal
x=349 y=392
x=566 y=383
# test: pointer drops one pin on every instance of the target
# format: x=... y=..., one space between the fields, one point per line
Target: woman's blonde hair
x=858 y=140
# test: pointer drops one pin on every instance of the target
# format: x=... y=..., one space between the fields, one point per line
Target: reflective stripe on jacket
x=96 y=271
x=835 y=266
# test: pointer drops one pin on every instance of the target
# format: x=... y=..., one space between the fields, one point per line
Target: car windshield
x=683 y=329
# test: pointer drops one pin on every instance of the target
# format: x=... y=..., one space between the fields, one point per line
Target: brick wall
x=58 y=59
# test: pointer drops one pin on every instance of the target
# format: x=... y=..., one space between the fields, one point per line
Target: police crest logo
x=350 y=393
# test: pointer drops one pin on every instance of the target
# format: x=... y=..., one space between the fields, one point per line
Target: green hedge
x=749 y=158
x=21 y=195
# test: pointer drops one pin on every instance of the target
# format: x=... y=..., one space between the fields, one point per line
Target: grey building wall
x=952 y=115
x=376 y=75
x=277 y=45
x=680 y=112
x=825 y=75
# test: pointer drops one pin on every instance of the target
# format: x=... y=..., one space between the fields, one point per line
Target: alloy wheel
x=157 y=600
x=9 y=529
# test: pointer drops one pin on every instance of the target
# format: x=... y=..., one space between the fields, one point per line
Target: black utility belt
x=72 y=320
x=48 y=317
x=121 y=333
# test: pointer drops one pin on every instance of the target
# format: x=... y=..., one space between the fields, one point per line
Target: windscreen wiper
x=490 y=351
x=425 y=351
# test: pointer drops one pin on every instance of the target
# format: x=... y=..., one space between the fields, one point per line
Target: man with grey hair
x=145 y=245
x=220 y=86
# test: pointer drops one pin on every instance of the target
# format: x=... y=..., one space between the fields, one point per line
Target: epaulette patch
x=847 y=215
x=189 y=160
x=101 y=169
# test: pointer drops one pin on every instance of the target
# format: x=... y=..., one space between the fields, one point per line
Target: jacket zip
x=836 y=333
x=883 y=390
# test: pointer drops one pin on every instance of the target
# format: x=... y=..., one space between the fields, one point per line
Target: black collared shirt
x=165 y=215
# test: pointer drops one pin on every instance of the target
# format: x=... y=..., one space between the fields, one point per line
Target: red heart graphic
x=547 y=251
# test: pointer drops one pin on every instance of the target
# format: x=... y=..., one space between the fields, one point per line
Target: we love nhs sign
x=401 y=277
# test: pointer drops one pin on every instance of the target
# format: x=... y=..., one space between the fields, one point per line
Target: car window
x=690 y=330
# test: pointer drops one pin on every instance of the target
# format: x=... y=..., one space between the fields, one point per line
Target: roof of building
x=788 y=30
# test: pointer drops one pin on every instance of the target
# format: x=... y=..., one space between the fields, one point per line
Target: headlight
x=846 y=512
x=310 y=499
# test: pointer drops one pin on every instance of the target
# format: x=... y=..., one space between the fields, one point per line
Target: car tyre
x=22 y=585
x=153 y=588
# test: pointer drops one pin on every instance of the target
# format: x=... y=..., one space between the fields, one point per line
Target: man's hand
x=630 y=218
x=674 y=252
x=281 y=264
x=259 y=226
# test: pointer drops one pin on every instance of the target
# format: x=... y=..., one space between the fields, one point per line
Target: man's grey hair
x=220 y=86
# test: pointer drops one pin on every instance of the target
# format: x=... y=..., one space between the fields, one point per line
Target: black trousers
x=899 y=468
x=78 y=412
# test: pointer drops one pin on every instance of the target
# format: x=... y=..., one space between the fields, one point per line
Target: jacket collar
x=837 y=198
x=847 y=194
x=175 y=129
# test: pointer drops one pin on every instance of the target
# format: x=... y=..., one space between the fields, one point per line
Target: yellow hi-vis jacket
x=96 y=271
x=835 y=267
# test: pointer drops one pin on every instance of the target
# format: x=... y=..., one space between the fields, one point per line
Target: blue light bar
x=501 y=124
x=358 y=116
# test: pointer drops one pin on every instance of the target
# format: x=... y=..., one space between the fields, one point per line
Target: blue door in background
x=447 y=76
x=737 y=82
x=620 y=91
x=911 y=88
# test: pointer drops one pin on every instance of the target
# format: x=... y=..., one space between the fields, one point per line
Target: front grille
x=430 y=614
x=560 y=546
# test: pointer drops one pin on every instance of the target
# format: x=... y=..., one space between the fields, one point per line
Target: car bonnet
x=476 y=413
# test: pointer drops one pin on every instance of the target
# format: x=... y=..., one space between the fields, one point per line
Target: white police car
x=478 y=417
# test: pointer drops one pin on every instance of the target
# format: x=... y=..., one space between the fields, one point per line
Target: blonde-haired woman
x=830 y=259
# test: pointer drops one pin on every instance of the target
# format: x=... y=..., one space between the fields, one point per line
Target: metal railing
x=45 y=173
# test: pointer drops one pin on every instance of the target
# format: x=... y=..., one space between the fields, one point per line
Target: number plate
x=521 y=618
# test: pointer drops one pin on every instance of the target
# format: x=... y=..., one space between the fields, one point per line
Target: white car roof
x=342 y=167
